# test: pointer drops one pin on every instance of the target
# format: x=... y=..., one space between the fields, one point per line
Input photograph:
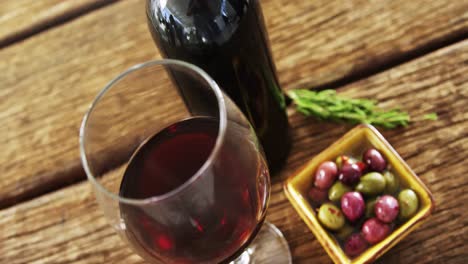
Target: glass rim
x=219 y=138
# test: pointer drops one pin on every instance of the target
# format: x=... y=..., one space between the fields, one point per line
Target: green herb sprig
x=327 y=105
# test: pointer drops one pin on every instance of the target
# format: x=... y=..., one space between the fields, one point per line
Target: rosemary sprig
x=327 y=105
x=431 y=116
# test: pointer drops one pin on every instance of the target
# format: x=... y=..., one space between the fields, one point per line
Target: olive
x=331 y=217
x=409 y=203
x=352 y=205
x=317 y=195
x=386 y=208
x=375 y=231
x=350 y=174
x=343 y=159
x=344 y=232
x=370 y=204
x=362 y=166
x=372 y=183
x=391 y=182
x=337 y=190
x=355 y=245
x=325 y=175
x=374 y=159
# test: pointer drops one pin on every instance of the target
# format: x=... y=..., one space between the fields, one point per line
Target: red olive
x=350 y=174
x=374 y=159
x=355 y=245
x=325 y=175
x=362 y=166
x=352 y=205
x=375 y=231
x=386 y=208
x=317 y=195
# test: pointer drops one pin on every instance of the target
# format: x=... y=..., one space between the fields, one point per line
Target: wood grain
x=66 y=226
x=322 y=42
x=22 y=18
x=48 y=80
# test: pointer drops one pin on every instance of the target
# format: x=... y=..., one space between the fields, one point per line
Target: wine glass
x=177 y=168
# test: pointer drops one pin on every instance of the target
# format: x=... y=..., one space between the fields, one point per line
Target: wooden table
x=56 y=55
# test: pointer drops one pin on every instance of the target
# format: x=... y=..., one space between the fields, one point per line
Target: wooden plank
x=66 y=226
x=42 y=115
x=321 y=42
x=21 y=18
x=49 y=79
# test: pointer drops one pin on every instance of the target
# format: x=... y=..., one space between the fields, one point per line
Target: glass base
x=269 y=246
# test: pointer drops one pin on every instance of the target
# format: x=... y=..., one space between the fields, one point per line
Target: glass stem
x=245 y=257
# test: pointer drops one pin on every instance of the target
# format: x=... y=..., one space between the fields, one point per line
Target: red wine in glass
x=215 y=226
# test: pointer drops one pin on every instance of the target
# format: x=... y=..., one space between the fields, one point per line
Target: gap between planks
x=47 y=24
x=390 y=62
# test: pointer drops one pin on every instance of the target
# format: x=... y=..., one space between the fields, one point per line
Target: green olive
x=342 y=159
x=391 y=182
x=331 y=217
x=337 y=190
x=339 y=161
x=372 y=183
x=409 y=203
x=344 y=232
x=370 y=207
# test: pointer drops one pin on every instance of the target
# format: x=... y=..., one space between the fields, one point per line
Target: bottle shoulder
x=196 y=22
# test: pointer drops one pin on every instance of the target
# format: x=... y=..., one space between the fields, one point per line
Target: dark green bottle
x=227 y=39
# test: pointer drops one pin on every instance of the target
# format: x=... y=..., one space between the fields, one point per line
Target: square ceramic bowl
x=354 y=143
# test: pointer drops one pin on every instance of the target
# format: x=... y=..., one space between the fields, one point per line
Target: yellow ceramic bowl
x=354 y=143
